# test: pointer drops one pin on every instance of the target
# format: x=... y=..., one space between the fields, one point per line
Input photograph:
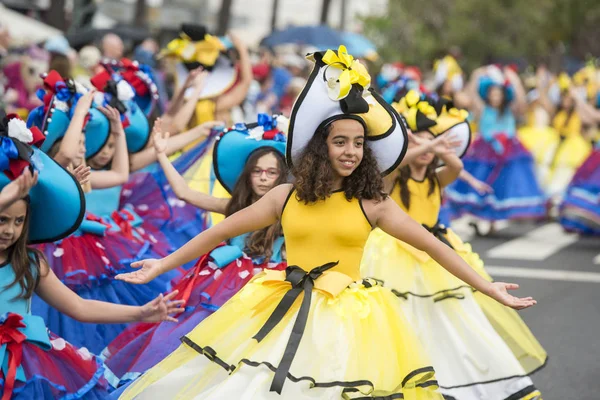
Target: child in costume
x=496 y=156
x=471 y=359
x=580 y=210
x=110 y=237
x=249 y=161
x=347 y=337
x=38 y=364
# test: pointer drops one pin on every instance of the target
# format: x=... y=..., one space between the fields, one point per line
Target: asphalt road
x=562 y=272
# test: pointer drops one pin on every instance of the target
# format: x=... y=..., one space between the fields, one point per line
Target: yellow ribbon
x=352 y=70
x=205 y=52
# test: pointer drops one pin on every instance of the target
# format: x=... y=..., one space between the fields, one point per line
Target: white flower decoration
x=58 y=344
x=204 y=272
x=17 y=129
x=283 y=124
x=217 y=274
x=99 y=98
x=124 y=91
x=58 y=252
x=143 y=207
x=256 y=133
x=333 y=84
x=61 y=105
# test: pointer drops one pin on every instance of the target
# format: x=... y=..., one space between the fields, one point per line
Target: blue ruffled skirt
x=517 y=194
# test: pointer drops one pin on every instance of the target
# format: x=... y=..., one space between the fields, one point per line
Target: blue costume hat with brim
x=235 y=145
x=57 y=203
x=118 y=93
x=53 y=118
x=97 y=132
x=485 y=83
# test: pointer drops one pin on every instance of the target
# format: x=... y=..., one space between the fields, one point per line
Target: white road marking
x=597 y=259
x=544 y=274
x=537 y=245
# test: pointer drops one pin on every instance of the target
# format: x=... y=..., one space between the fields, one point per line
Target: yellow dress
x=356 y=342
x=479 y=348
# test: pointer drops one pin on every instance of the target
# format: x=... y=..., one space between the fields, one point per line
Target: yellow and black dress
x=314 y=331
x=479 y=348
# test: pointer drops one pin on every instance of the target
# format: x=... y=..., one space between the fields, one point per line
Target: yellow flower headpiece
x=345 y=72
x=564 y=82
x=419 y=114
x=205 y=52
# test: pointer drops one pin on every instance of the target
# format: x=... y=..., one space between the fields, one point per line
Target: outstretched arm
x=264 y=212
x=69 y=145
x=388 y=216
x=56 y=294
x=237 y=94
x=147 y=156
x=177 y=182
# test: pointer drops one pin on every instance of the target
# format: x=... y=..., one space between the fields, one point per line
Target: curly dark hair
x=314 y=174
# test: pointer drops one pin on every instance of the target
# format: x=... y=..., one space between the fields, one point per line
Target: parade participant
x=38 y=364
x=109 y=238
x=347 y=330
x=471 y=359
x=226 y=87
x=580 y=210
x=496 y=156
x=249 y=161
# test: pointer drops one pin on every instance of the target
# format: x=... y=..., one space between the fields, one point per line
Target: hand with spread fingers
x=114 y=117
x=445 y=144
x=82 y=173
x=148 y=270
x=499 y=292
x=160 y=139
x=161 y=308
x=18 y=189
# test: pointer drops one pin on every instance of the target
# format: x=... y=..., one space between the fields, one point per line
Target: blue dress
x=499 y=159
x=109 y=239
x=50 y=367
x=216 y=277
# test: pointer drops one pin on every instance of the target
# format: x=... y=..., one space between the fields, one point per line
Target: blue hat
x=53 y=118
x=118 y=93
x=137 y=133
x=141 y=79
x=57 y=203
x=485 y=83
x=235 y=145
x=97 y=132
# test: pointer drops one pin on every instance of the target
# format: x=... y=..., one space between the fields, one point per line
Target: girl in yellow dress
x=345 y=338
x=475 y=357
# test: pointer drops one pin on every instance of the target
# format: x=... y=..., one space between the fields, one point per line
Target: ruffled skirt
x=580 y=210
x=87 y=264
x=205 y=289
x=63 y=372
x=517 y=194
x=479 y=348
x=356 y=344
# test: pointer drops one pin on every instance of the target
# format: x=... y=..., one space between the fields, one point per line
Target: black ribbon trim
x=301 y=281
x=449 y=295
x=111 y=88
x=439 y=231
x=209 y=353
x=405 y=295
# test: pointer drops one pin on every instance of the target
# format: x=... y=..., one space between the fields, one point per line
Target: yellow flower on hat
x=345 y=72
x=205 y=52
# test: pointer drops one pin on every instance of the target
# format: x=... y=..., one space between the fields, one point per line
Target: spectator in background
x=146 y=53
x=89 y=65
x=291 y=94
x=22 y=81
x=62 y=56
x=112 y=46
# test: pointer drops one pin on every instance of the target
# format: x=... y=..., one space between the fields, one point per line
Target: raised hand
x=481 y=187
x=82 y=173
x=445 y=144
x=148 y=270
x=114 y=118
x=160 y=139
x=19 y=188
x=191 y=78
x=84 y=103
x=161 y=307
x=499 y=292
